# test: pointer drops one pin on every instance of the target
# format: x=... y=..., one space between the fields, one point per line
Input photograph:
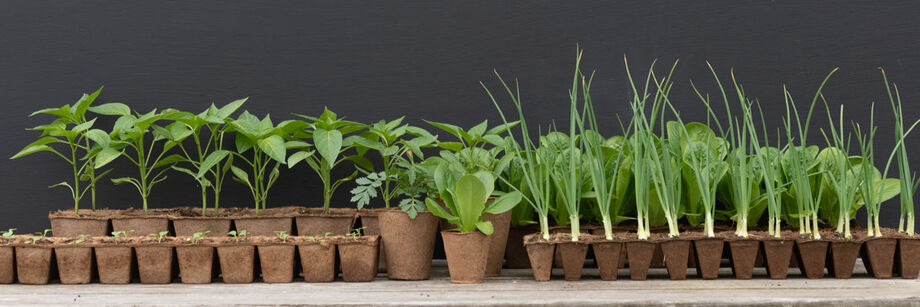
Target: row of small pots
x=882 y=256
x=193 y=259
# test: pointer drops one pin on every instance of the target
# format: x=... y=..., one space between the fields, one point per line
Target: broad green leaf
x=471 y=196
x=99 y=137
x=273 y=146
x=113 y=108
x=296 y=157
x=437 y=210
x=504 y=203
x=106 y=155
x=210 y=161
x=328 y=143
x=168 y=160
x=83 y=127
x=485 y=227
x=240 y=175
x=80 y=107
x=230 y=108
x=37 y=146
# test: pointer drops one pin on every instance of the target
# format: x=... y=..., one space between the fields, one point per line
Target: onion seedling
x=876 y=188
x=908 y=181
x=839 y=172
x=159 y=236
x=197 y=237
x=282 y=235
x=769 y=160
x=664 y=156
x=704 y=167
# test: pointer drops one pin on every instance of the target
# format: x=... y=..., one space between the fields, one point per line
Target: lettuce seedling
x=282 y=235
x=121 y=233
x=159 y=236
x=38 y=236
x=197 y=237
x=237 y=235
x=466 y=199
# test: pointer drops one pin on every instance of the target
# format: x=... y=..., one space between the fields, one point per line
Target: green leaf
x=504 y=203
x=471 y=197
x=79 y=108
x=113 y=108
x=123 y=180
x=240 y=175
x=437 y=210
x=210 y=161
x=83 y=127
x=297 y=157
x=485 y=227
x=273 y=146
x=168 y=160
x=105 y=156
x=452 y=146
x=230 y=108
x=328 y=143
x=99 y=137
x=37 y=146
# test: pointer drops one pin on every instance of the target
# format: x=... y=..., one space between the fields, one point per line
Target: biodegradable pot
x=7 y=265
x=358 y=256
x=573 y=258
x=409 y=242
x=841 y=258
x=515 y=253
x=811 y=255
x=186 y=226
x=557 y=256
x=467 y=254
x=501 y=223
x=113 y=261
x=777 y=255
x=317 y=259
x=65 y=223
x=540 y=253
x=277 y=262
x=908 y=264
x=338 y=221
x=708 y=252
x=743 y=254
x=33 y=264
x=195 y=263
x=237 y=262
x=676 y=252
x=155 y=262
x=75 y=263
x=878 y=256
x=639 y=253
x=371 y=223
x=142 y=226
x=607 y=254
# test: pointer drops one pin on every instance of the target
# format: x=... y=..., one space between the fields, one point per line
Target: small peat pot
x=573 y=254
x=266 y=222
x=358 y=256
x=742 y=254
x=155 y=259
x=498 y=240
x=74 y=260
x=33 y=259
x=196 y=259
x=408 y=242
x=114 y=257
x=908 y=263
x=607 y=254
x=187 y=221
x=540 y=252
x=515 y=254
x=778 y=254
x=557 y=256
x=878 y=256
x=676 y=252
x=371 y=223
x=95 y=223
x=842 y=255
x=237 y=260
x=639 y=253
x=276 y=259
x=317 y=258
x=811 y=255
x=136 y=222
x=313 y=221
x=7 y=261
x=467 y=254
x=708 y=252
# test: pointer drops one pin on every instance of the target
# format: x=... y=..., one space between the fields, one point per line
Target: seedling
x=357 y=232
x=159 y=236
x=282 y=235
x=37 y=237
x=237 y=235
x=269 y=151
x=8 y=234
x=908 y=181
x=465 y=198
x=319 y=238
x=121 y=233
x=197 y=237
x=80 y=239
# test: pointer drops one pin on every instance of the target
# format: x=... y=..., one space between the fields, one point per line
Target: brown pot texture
x=608 y=254
x=7 y=265
x=114 y=264
x=142 y=226
x=467 y=254
x=236 y=262
x=371 y=222
x=908 y=264
x=812 y=255
x=557 y=257
x=515 y=254
x=501 y=223
x=312 y=221
x=777 y=255
x=358 y=257
x=409 y=243
x=878 y=255
x=263 y=225
x=317 y=260
x=33 y=264
x=573 y=258
x=743 y=256
x=188 y=226
x=75 y=264
x=708 y=256
x=277 y=263
x=640 y=257
x=195 y=263
x=65 y=224
x=676 y=252
x=841 y=258
x=154 y=263
x=540 y=253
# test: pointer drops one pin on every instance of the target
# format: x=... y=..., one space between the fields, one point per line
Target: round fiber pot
x=358 y=256
x=743 y=254
x=74 y=262
x=515 y=254
x=607 y=254
x=676 y=252
x=317 y=259
x=811 y=255
x=639 y=253
x=7 y=265
x=878 y=253
x=841 y=259
x=114 y=263
x=777 y=254
x=908 y=264
x=33 y=264
x=237 y=262
x=573 y=258
x=408 y=242
x=708 y=252
x=540 y=252
x=277 y=262
x=338 y=221
x=371 y=222
x=155 y=261
x=195 y=263
x=64 y=223
x=467 y=254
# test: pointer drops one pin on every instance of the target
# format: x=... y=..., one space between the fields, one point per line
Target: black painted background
x=382 y=59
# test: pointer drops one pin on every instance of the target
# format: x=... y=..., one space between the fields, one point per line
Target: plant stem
x=608 y=228
x=576 y=229
x=544 y=226
x=709 y=226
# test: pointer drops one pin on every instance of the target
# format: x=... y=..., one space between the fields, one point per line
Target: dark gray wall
x=382 y=59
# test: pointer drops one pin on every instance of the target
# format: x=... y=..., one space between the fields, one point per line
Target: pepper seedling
x=237 y=235
x=282 y=235
x=354 y=234
x=159 y=236
x=80 y=239
x=197 y=237
x=121 y=233
x=38 y=236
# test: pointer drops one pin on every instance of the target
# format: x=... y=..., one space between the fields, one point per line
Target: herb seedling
x=8 y=234
x=238 y=234
x=197 y=237
x=121 y=233
x=282 y=235
x=80 y=239
x=159 y=236
x=37 y=237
